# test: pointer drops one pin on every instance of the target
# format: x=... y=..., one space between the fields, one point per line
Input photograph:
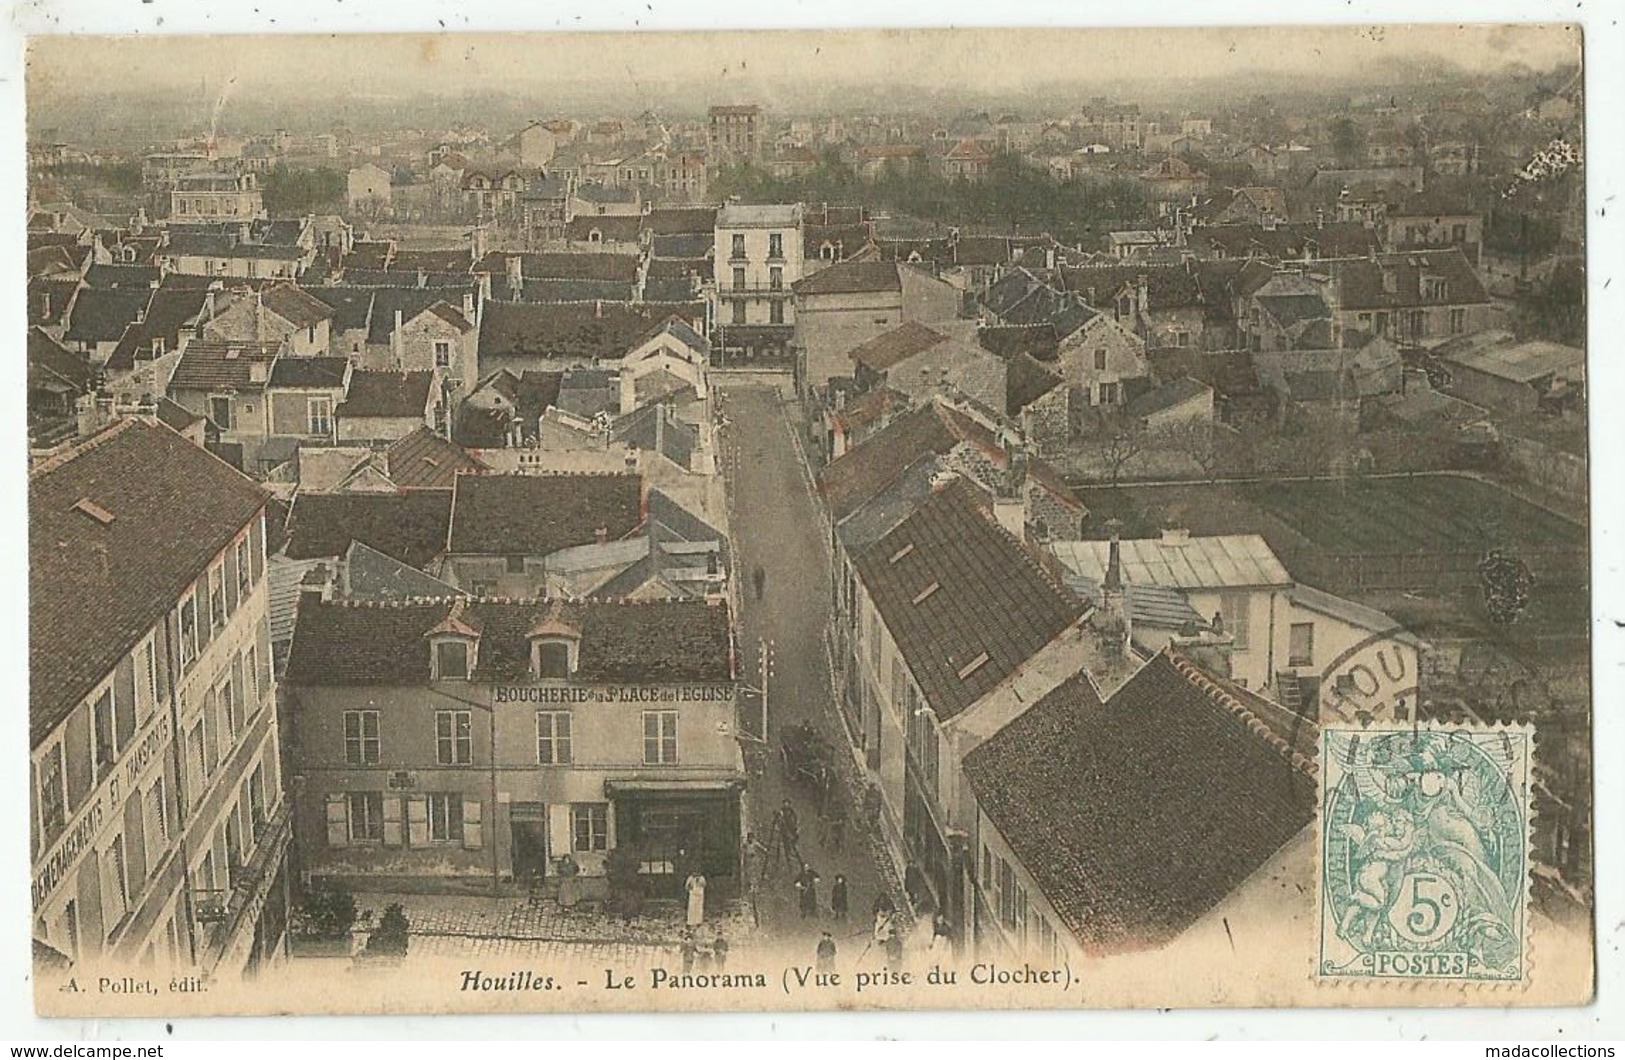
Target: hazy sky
x=972 y=59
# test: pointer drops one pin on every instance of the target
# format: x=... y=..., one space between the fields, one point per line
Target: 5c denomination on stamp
x=1424 y=852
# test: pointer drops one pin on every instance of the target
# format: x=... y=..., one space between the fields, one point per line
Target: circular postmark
x=1376 y=679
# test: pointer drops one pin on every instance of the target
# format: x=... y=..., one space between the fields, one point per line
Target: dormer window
x=555 y=648
x=553 y=658
x=453 y=659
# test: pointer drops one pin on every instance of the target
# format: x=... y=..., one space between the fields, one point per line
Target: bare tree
x=1194 y=440
x=1119 y=441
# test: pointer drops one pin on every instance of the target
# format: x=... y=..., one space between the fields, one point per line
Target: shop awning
x=676 y=785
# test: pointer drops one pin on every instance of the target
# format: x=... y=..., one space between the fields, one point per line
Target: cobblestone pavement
x=517 y=919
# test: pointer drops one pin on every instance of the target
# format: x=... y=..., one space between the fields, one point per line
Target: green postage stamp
x=1424 y=852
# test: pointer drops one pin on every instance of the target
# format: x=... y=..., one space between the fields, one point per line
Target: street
x=778 y=527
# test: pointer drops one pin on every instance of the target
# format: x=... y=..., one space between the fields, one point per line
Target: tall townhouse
x=158 y=828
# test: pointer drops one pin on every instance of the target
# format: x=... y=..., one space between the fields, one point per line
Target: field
x=1429 y=514
x=1409 y=545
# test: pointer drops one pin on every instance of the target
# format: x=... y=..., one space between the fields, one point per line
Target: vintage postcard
x=808 y=520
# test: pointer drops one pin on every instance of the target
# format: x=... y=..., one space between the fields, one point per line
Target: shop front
x=674 y=827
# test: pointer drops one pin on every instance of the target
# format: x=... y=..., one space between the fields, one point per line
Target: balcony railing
x=232 y=911
x=756 y=290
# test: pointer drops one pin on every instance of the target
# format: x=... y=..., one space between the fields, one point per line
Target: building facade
x=158 y=824
x=758 y=258
x=209 y=196
x=444 y=743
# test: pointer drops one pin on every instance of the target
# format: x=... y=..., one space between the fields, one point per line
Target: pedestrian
x=885 y=934
x=942 y=940
x=807 y=886
x=719 y=952
x=695 y=887
x=689 y=951
x=826 y=953
x=789 y=834
x=837 y=823
x=758 y=579
x=702 y=956
x=837 y=898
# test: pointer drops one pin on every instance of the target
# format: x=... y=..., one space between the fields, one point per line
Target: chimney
x=516 y=276
x=1320 y=217
x=258 y=371
x=397 y=340
x=317 y=585
x=1175 y=537
x=1111 y=617
x=598 y=308
x=468 y=306
x=601 y=535
x=423 y=278
x=1143 y=294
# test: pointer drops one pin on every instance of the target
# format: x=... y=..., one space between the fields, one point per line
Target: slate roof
x=1037 y=341
x=351 y=306
x=368 y=255
x=371 y=575
x=339 y=643
x=410 y=302
x=851 y=277
x=565 y=331
x=623 y=229
x=309 y=373
x=446 y=261
x=1333 y=239
x=96 y=589
x=1167 y=396
x=759 y=215
x=168 y=311
x=51 y=362
x=549 y=290
x=1131 y=837
x=424 y=460
x=891 y=348
x=1229 y=373
x=1359 y=281
x=993 y=606
x=683 y=244
x=676 y=221
x=296 y=306
x=222 y=246
x=1025 y=381
x=102 y=314
x=222 y=366
x=1167 y=286
x=409 y=526
x=138 y=276
x=534 y=515
x=850 y=480
x=58 y=293
x=400 y=395
x=615 y=268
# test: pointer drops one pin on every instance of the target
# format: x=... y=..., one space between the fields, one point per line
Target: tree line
x=1015 y=195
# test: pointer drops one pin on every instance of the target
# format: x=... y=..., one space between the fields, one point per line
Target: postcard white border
x=1605 y=56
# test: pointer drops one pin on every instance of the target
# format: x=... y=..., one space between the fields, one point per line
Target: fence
x=1352 y=571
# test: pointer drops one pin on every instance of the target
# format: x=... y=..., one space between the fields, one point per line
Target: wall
x=828 y=327
x=1267 y=621
x=1125 y=358
x=607 y=743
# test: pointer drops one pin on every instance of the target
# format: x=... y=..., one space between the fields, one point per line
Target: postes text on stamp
x=1424 y=848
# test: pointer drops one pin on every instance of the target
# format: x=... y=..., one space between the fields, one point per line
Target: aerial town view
x=571 y=534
